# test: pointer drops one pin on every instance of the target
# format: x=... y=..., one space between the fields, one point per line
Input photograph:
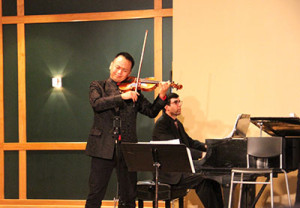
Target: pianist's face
x=174 y=109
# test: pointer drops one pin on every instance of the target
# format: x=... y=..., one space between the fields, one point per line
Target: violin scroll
x=176 y=86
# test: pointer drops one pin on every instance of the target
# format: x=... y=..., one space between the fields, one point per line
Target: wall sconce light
x=56 y=82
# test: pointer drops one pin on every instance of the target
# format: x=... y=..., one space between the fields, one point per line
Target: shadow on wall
x=197 y=123
x=280 y=195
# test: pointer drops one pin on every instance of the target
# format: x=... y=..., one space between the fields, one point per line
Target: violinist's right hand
x=130 y=95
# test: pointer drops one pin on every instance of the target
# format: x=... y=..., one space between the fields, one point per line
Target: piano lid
x=278 y=126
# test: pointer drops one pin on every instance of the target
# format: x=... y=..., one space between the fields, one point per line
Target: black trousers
x=101 y=170
x=208 y=191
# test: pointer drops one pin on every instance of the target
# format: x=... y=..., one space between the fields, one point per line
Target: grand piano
x=224 y=154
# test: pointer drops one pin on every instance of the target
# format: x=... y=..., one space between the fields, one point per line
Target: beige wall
x=239 y=56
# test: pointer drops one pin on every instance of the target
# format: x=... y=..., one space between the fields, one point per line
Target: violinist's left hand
x=164 y=86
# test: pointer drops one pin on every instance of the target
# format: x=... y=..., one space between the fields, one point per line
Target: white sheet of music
x=172 y=141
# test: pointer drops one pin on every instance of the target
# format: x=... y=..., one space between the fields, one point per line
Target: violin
x=144 y=84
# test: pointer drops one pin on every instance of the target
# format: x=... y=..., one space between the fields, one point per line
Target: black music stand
x=154 y=157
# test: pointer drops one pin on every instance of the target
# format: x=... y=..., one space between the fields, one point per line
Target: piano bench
x=146 y=192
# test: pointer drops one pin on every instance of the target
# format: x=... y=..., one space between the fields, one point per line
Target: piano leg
x=225 y=188
x=259 y=193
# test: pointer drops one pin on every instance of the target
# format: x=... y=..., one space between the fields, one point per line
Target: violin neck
x=149 y=81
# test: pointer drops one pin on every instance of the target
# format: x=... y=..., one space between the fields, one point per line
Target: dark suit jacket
x=165 y=129
x=105 y=99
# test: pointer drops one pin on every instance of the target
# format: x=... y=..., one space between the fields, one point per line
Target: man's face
x=174 y=109
x=120 y=69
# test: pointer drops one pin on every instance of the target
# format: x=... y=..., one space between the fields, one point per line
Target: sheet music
x=190 y=159
x=172 y=141
x=240 y=127
x=294 y=115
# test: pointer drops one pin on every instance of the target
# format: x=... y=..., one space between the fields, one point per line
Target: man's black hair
x=127 y=56
x=170 y=96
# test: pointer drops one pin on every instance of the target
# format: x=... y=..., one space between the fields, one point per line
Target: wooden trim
x=44 y=146
x=157 y=4
x=22 y=110
x=20 y=7
x=40 y=202
x=21 y=82
x=22 y=175
x=22 y=101
x=157 y=48
x=80 y=17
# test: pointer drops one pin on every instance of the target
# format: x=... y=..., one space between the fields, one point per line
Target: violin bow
x=141 y=61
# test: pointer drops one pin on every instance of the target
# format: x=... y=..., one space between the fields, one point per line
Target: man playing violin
x=115 y=116
x=168 y=127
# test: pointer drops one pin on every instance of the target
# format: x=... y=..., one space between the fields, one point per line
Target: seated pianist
x=168 y=127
